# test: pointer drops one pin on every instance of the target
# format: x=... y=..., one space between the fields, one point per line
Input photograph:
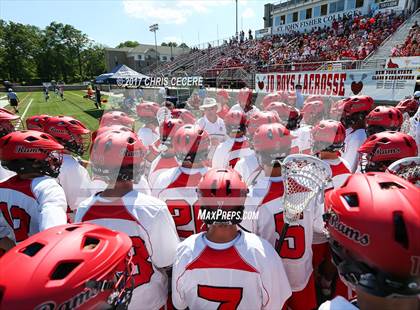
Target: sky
x=110 y=22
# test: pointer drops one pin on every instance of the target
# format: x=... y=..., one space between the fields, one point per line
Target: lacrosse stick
x=163 y=114
x=305 y=177
x=407 y=168
x=406 y=125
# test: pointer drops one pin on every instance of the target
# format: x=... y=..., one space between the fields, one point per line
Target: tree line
x=30 y=55
x=135 y=43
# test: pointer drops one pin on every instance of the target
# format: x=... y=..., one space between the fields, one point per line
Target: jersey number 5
x=293 y=246
x=229 y=297
x=16 y=213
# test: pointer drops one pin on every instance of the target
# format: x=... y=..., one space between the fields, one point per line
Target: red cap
x=185 y=115
x=409 y=106
x=260 y=118
x=278 y=96
x=329 y=132
x=190 y=139
x=272 y=138
x=388 y=117
x=147 y=109
x=37 y=122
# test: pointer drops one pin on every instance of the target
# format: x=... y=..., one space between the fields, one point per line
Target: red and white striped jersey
x=245 y=273
x=229 y=152
x=177 y=188
x=151 y=228
x=30 y=206
x=159 y=165
x=296 y=252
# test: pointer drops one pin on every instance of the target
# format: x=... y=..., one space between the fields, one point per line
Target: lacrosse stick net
x=305 y=177
x=406 y=125
x=408 y=169
x=163 y=114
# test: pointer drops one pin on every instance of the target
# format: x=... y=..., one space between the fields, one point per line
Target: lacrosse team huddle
x=229 y=204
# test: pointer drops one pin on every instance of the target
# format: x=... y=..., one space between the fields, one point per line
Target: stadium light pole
x=154 y=28
x=236 y=18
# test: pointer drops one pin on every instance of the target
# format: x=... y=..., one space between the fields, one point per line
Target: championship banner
x=379 y=84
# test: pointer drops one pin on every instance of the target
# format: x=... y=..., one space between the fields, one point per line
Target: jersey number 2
x=229 y=297
x=183 y=214
x=293 y=246
x=16 y=213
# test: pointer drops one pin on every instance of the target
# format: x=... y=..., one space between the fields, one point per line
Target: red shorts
x=320 y=252
x=304 y=299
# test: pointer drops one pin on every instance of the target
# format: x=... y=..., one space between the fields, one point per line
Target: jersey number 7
x=16 y=213
x=229 y=297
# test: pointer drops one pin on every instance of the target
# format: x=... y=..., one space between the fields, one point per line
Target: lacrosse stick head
x=305 y=177
x=407 y=168
x=163 y=114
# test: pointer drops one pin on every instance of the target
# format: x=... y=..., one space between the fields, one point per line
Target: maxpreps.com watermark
x=184 y=81
x=224 y=215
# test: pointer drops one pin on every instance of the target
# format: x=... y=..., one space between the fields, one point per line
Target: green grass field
x=74 y=105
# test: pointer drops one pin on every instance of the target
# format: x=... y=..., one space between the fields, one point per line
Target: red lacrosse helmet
x=272 y=143
x=313 y=111
x=222 y=189
x=70 y=132
x=337 y=110
x=36 y=122
x=191 y=143
x=116 y=118
x=278 y=96
x=381 y=149
x=235 y=122
x=118 y=155
x=146 y=111
x=291 y=98
x=104 y=129
x=260 y=118
x=66 y=265
x=31 y=151
x=328 y=135
x=7 y=119
x=224 y=95
x=355 y=109
x=245 y=96
x=167 y=131
x=383 y=118
x=185 y=115
x=373 y=222
x=314 y=98
x=290 y=116
x=409 y=106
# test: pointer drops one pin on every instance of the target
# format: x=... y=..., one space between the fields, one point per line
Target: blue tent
x=120 y=74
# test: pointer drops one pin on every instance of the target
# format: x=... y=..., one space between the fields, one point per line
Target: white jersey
x=75 y=181
x=245 y=273
x=296 y=252
x=302 y=143
x=338 y=303
x=177 y=188
x=237 y=107
x=249 y=168
x=30 y=206
x=354 y=139
x=228 y=153
x=147 y=136
x=215 y=130
x=147 y=222
x=415 y=129
x=159 y=165
x=5 y=173
x=340 y=173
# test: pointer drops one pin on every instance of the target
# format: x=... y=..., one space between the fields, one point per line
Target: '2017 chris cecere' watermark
x=176 y=81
